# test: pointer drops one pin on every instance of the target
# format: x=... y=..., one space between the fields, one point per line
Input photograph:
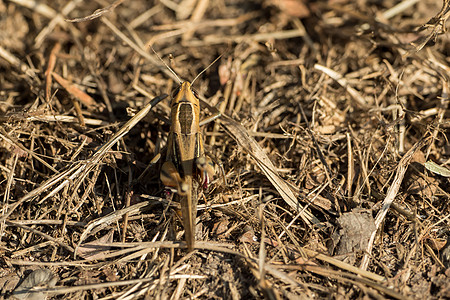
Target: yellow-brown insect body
x=185 y=111
x=184 y=147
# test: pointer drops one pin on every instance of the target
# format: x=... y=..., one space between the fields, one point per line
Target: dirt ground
x=331 y=153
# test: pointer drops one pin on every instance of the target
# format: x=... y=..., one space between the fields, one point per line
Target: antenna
x=169 y=68
x=192 y=83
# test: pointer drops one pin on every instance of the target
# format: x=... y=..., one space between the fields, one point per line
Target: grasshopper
x=186 y=164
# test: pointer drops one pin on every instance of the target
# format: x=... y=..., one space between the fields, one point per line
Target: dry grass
x=331 y=110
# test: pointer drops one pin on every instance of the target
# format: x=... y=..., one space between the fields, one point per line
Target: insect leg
x=171 y=178
x=206 y=166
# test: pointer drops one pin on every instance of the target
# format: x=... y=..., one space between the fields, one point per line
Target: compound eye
x=194 y=92
x=175 y=92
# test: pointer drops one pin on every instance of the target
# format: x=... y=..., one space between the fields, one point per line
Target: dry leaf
x=356 y=229
x=220 y=228
x=74 y=91
x=37 y=278
x=94 y=250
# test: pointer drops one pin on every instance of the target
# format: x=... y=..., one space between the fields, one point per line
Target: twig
x=17 y=64
x=96 y=14
x=50 y=68
x=390 y=197
x=197 y=15
x=257 y=37
x=138 y=49
x=44 y=235
x=402 y=6
x=75 y=91
x=344 y=83
x=79 y=170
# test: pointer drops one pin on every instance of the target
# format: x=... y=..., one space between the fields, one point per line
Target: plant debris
x=331 y=150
